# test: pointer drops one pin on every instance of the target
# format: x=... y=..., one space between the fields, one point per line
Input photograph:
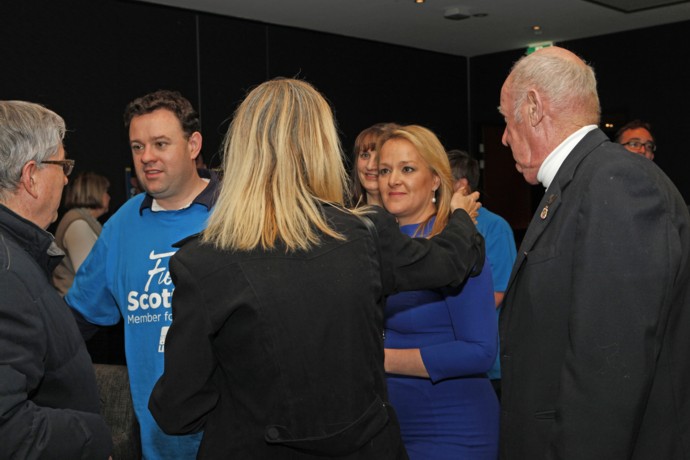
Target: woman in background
x=365 y=172
x=439 y=344
x=275 y=348
x=86 y=199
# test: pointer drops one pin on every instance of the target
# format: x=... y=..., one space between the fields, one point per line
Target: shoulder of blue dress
x=410 y=229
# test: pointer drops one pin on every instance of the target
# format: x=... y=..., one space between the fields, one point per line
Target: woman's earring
x=433 y=198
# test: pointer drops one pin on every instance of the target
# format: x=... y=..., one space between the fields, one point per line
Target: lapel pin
x=545 y=212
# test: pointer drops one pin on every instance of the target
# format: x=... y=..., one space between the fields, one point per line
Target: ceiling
x=507 y=24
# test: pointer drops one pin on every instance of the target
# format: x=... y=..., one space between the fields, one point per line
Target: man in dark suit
x=595 y=328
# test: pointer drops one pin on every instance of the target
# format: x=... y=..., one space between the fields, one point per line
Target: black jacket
x=595 y=327
x=48 y=394
x=280 y=356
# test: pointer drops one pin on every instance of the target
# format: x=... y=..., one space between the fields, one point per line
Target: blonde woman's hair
x=434 y=154
x=282 y=161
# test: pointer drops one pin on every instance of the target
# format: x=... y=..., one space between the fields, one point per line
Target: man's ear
x=535 y=107
x=195 y=144
x=27 y=178
x=460 y=183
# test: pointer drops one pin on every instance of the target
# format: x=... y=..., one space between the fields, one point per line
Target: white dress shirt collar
x=553 y=162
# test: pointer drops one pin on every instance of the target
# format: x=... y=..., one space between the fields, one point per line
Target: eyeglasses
x=649 y=146
x=67 y=165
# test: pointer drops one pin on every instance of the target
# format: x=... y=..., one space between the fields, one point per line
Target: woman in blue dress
x=438 y=344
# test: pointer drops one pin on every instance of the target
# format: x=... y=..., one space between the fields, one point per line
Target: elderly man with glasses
x=49 y=405
x=636 y=136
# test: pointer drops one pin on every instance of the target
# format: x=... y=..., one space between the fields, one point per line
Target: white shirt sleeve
x=79 y=239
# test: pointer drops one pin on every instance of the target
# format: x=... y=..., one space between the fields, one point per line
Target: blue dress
x=454 y=414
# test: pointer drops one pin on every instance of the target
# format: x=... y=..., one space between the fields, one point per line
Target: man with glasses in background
x=636 y=136
x=48 y=394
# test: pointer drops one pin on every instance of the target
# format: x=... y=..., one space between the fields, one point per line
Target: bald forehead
x=503 y=97
x=558 y=52
x=552 y=52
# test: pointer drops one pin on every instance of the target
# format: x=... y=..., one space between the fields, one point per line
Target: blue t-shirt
x=126 y=276
x=501 y=252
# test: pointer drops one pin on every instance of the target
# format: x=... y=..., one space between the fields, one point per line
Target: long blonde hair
x=282 y=161
x=434 y=154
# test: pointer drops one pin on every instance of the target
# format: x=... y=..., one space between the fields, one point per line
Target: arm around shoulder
x=447 y=259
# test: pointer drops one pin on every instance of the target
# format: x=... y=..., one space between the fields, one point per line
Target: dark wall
x=641 y=74
x=369 y=82
x=87 y=59
x=232 y=59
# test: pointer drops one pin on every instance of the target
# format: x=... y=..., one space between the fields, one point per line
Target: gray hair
x=28 y=132
x=569 y=85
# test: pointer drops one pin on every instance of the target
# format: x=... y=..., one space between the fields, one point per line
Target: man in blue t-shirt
x=498 y=237
x=126 y=274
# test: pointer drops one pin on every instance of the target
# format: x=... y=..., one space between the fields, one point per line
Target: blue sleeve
x=91 y=294
x=473 y=317
x=501 y=252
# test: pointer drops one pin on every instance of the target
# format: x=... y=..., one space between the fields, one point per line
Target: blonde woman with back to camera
x=275 y=349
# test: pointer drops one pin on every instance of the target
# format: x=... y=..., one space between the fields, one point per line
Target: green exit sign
x=531 y=48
